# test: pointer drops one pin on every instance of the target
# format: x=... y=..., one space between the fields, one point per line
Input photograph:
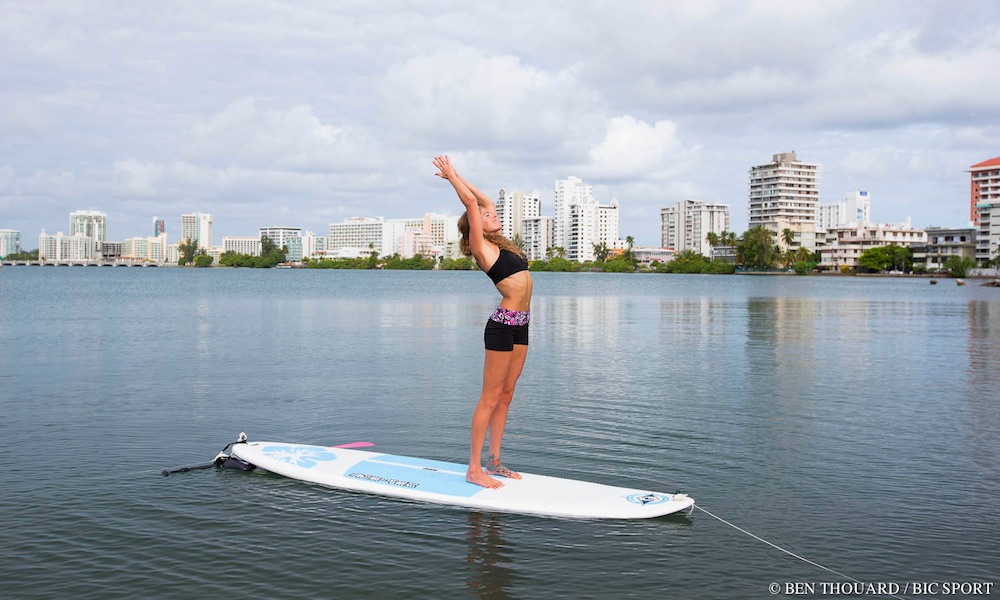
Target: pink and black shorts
x=505 y=328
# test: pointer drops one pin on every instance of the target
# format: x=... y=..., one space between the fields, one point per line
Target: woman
x=506 y=333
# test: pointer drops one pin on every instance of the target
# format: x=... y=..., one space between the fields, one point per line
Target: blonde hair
x=494 y=237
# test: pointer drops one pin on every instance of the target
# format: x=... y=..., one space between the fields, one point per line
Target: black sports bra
x=506 y=265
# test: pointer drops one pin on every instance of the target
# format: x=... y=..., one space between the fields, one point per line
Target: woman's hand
x=445 y=169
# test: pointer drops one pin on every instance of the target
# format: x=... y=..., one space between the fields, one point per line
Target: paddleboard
x=444 y=483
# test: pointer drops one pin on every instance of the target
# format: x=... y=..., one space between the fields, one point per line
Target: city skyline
x=289 y=109
x=749 y=202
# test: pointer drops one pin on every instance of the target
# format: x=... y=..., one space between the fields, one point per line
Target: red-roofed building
x=985 y=186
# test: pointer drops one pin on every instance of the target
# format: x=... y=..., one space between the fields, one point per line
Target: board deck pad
x=444 y=483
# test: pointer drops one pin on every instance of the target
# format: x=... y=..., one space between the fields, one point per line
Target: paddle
x=355 y=445
x=223 y=456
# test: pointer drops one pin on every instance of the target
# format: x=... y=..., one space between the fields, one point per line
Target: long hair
x=494 y=237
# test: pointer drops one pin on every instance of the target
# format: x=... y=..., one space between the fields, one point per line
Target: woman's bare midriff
x=516 y=291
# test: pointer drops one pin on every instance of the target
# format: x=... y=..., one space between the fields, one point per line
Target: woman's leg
x=496 y=367
x=498 y=421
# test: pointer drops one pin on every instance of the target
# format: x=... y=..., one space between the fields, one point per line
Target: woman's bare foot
x=478 y=477
x=495 y=467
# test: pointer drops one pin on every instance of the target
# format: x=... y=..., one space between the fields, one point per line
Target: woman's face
x=491 y=222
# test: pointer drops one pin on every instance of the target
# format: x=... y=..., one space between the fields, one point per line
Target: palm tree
x=629 y=255
x=712 y=238
x=788 y=237
x=601 y=251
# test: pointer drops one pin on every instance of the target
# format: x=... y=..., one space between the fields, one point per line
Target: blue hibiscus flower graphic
x=301 y=456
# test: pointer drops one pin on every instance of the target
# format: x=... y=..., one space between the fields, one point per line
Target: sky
x=304 y=113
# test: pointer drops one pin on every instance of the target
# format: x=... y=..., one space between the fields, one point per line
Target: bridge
x=78 y=263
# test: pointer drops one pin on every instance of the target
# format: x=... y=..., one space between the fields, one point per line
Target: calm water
x=853 y=421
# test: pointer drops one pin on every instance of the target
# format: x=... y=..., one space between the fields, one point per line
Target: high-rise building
x=581 y=222
x=608 y=223
x=281 y=235
x=784 y=195
x=513 y=208
x=197 y=227
x=312 y=245
x=158 y=227
x=10 y=242
x=537 y=232
x=66 y=248
x=358 y=233
x=569 y=192
x=686 y=225
x=855 y=209
x=988 y=231
x=89 y=223
x=985 y=186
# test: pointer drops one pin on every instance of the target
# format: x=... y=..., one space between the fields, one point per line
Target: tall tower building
x=985 y=186
x=10 y=242
x=784 y=195
x=89 y=223
x=197 y=227
x=569 y=192
x=513 y=208
x=580 y=221
x=686 y=225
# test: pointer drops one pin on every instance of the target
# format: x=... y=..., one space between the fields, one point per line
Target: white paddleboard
x=444 y=483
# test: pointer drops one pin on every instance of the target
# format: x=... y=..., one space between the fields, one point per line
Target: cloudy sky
x=303 y=113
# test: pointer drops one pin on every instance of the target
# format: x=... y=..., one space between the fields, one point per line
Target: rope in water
x=788 y=552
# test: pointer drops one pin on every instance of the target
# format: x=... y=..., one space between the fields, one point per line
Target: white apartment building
x=607 y=224
x=66 y=248
x=313 y=245
x=686 y=225
x=281 y=235
x=358 y=233
x=569 y=192
x=854 y=209
x=197 y=227
x=10 y=242
x=537 y=237
x=241 y=245
x=581 y=222
x=845 y=245
x=89 y=223
x=988 y=236
x=784 y=195
x=152 y=249
x=513 y=208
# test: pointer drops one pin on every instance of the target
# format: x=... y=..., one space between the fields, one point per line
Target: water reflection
x=984 y=376
x=582 y=320
x=490 y=559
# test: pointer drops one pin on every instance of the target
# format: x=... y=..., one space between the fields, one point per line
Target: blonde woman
x=506 y=334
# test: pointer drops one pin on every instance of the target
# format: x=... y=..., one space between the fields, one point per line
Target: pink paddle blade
x=355 y=445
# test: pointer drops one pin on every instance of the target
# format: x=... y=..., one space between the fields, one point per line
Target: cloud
x=633 y=148
x=469 y=100
x=292 y=139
